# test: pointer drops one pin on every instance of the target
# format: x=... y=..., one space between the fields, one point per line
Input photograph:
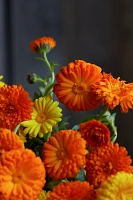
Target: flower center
x=61 y=154
x=41 y=118
x=79 y=88
x=10 y=108
x=97 y=134
x=17 y=179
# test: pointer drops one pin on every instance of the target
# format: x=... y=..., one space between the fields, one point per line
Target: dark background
x=97 y=31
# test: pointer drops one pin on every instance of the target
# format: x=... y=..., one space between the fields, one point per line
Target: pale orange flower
x=22 y=175
x=64 y=154
x=106 y=161
x=108 y=90
x=95 y=133
x=9 y=140
x=15 y=106
x=73 y=87
x=76 y=190
x=42 y=44
x=126 y=97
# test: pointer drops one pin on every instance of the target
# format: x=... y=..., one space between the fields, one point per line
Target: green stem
x=16 y=128
x=102 y=112
x=46 y=61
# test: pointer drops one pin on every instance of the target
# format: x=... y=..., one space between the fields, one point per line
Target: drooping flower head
x=108 y=90
x=15 y=106
x=73 y=87
x=22 y=175
x=9 y=140
x=1 y=82
x=106 y=161
x=64 y=154
x=46 y=114
x=126 y=97
x=41 y=45
x=71 y=190
x=43 y=195
x=119 y=186
x=95 y=133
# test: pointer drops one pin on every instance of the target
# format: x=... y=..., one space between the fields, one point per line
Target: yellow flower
x=44 y=195
x=117 y=187
x=1 y=83
x=46 y=114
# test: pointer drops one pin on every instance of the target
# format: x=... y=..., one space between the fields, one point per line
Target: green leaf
x=64 y=123
x=36 y=96
x=50 y=185
x=42 y=90
x=38 y=58
x=81 y=175
x=88 y=118
x=76 y=127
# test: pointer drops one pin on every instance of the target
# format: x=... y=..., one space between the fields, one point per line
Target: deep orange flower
x=95 y=133
x=9 y=140
x=42 y=44
x=71 y=190
x=73 y=87
x=64 y=154
x=108 y=90
x=126 y=97
x=22 y=175
x=106 y=161
x=15 y=106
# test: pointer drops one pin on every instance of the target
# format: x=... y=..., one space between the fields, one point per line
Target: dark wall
x=99 y=32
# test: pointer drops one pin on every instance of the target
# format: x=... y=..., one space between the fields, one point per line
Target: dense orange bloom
x=73 y=87
x=95 y=133
x=64 y=154
x=126 y=97
x=42 y=44
x=71 y=190
x=108 y=90
x=9 y=140
x=106 y=161
x=15 y=106
x=22 y=175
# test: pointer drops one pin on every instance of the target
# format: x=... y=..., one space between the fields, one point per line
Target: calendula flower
x=22 y=175
x=43 y=195
x=46 y=114
x=1 y=83
x=108 y=90
x=126 y=97
x=95 y=133
x=71 y=190
x=73 y=87
x=118 y=187
x=64 y=154
x=15 y=106
x=41 y=45
x=106 y=161
x=9 y=140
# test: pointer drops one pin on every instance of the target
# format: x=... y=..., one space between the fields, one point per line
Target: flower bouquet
x=41 y=157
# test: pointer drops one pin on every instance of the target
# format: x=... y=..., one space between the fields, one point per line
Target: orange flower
x=73 y=87
x=126 y=97
x=9 y=140
x=71 y=190
x=15 y=106
x=64 y=154
x=106 y=161
x=22 y=175
x=44 y=44
x=95 y=133
x=108 y=90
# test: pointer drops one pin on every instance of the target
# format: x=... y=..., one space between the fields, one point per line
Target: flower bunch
x=41 y=157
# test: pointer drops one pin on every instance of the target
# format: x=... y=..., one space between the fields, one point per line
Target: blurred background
x=99 y=32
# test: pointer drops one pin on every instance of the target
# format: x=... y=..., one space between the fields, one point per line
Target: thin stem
x=46 y=61
x=16 y=128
